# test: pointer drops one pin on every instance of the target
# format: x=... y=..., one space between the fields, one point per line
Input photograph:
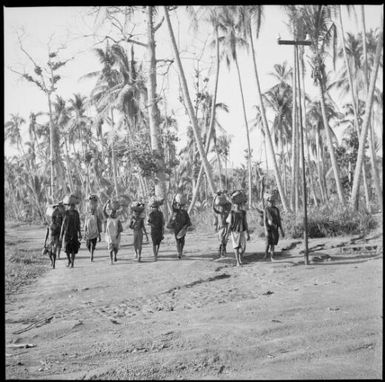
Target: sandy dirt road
x=200 y=317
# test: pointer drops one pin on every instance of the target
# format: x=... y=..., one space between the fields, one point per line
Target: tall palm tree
x=318 y=138
x=365 y=126
x=353 y=96
x=189 y=104
x=14 y=136
x=371 y=138
x=231 y=41
x=154 y=118
x=318 y=25
x=210 y=15
x=250 y=19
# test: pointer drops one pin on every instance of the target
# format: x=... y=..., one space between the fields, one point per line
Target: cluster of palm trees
x=121 y=139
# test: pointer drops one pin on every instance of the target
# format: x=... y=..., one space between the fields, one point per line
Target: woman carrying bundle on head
x=52 y=243
x=156 y=222
x=222 y=208
x=137 y=225
x=92 y=225
x=237 y=225
x=272 y=224
x=113 y=228
x=70 y=230
x=180 y=221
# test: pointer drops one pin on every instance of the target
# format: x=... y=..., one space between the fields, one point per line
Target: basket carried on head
x=70 y=199
x=51 y=210
x=180 y=199
x=114 y=204
x=220 y=200
x=155 y=202
x=137 y=207
x=238 y=197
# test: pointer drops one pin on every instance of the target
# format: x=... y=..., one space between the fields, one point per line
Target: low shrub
x=329 y=221
x=21 y=267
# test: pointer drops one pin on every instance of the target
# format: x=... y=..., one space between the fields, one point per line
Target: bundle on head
x=92 y=198
x=220 y=200
x=51 y=210
x=114 y=204
x=137 y=207
x=124 y=200
x=238 y=197
x=70 y=199
x=180 y=199
x=155 y=203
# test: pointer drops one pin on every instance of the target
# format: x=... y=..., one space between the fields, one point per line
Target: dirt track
x=200 y=318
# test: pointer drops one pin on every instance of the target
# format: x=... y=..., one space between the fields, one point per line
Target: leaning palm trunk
x=211 y=125
x=247 y=130
x=329 y=142
x=371 y=142
x=294 y=145
x=319 y=168
x=365 y=125
x=190 y=108
x=353 y=100
x=51 y=148
x=113 y=155
x=219 y=163
x=303 y=103
x=266 y=129
x=160 y=186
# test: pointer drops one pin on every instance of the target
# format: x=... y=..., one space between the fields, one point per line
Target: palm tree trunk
x=306 y=140
x=51 y=147
x=190 y=108
x=373 y=158
x=247 y=130
x=330 y=144
x=113 y=155
x=69 y=172
x=160 y=185
x=294 y=192
x=353 y=100
x=219 y=167
x=319 y=168
x=365 y=126
x=266 y=129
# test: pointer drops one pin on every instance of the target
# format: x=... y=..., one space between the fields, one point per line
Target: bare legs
x=238 y=256
x=155 y=249
x=271 y=247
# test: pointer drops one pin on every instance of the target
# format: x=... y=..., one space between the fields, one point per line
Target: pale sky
x=69 y=24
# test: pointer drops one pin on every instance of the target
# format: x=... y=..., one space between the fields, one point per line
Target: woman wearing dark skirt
x=70 y=232
x=156 y=222
x=181 y=222
x=272 y=223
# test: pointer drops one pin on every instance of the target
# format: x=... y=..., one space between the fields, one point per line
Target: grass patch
x=22 y=266
x=330 y=221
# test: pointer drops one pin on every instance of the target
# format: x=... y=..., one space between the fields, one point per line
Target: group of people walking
x=230 y=222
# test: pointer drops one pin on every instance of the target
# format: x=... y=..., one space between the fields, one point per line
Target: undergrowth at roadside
x=22 y=266
x=327 y=221
x=330 y=221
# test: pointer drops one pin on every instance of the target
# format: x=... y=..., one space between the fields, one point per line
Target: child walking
x=156 y=222
x=113 y=229
x=237 y=226
x=92 y=226
x=137 y=225
x=272 y=224
x=70 y=230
